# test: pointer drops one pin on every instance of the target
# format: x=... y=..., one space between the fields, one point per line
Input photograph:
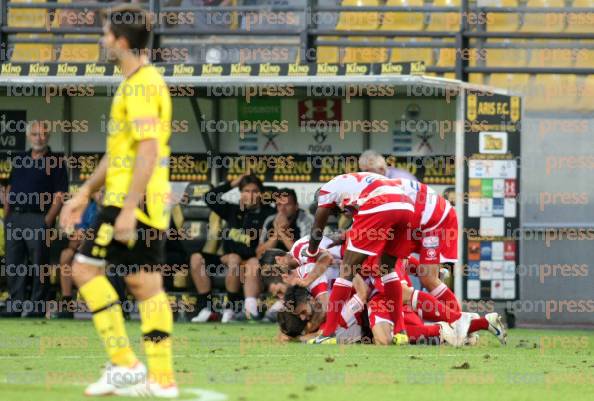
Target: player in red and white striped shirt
x=434 y=238
x=380 y=209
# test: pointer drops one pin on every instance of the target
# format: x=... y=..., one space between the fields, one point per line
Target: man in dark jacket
x=240 y=240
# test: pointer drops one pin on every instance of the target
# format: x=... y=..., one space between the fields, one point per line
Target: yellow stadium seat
x=585 y=97
x=365 y=54
x=400 y=54
x=445 y=21
x=401 y=21
x=550 y=22
x=584 y=58
x=504 y=57
x=80 y=52
x=516 y=82
x=552 y=92
x=503 y=22
x=446 y=57
x=327 y=54
x=561 y=57
x=476 y=78
x=580 y=22
x=41 y=52
x=28 y=17
x=358 y=21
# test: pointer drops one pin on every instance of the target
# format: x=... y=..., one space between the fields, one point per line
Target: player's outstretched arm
x=317 y=229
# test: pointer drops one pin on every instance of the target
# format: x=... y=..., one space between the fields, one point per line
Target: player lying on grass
x=303 y=318
x=318 y=278
x=391 y=219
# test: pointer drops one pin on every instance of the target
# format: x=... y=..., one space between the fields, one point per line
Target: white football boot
x=116 y=377
x=149 y=389
x=496 y=327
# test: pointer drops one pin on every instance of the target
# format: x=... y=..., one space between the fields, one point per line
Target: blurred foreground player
x=129 y=230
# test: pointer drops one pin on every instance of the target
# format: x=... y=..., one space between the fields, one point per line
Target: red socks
x=447 y=297
x=416 y=333
x=429 y=308
x=393 y=293
x=478 y=324
x=340 y=294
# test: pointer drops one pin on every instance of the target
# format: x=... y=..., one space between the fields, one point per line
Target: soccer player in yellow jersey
x=129 y=230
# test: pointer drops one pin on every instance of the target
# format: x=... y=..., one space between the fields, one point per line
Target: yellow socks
x=157 y=326
x=103 y=302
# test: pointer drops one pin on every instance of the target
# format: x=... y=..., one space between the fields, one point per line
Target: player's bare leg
x=339 y=295
x=393 y=291
x=124 y=368
x=383 y=333
x=429 y=276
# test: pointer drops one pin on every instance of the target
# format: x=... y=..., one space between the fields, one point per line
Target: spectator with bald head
x=38 y=180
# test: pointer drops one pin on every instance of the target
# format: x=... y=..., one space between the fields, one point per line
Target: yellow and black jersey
x=141 y=110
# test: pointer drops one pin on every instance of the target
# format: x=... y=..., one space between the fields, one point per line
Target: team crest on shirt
x=431 y=253
x=431 y=242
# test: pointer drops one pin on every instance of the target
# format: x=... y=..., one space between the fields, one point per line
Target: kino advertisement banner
x=492 y=184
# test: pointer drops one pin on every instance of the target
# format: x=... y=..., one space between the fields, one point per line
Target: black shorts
x=99 y=248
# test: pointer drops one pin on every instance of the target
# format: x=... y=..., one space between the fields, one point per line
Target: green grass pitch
x=53 y=360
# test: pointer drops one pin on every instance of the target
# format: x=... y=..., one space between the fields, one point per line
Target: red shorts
x=440 y=245
x=372 y=233
x=378 y=309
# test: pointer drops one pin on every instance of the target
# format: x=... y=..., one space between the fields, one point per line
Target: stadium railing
x=453 y=36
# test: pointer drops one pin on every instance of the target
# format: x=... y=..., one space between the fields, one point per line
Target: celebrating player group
x=391 y=219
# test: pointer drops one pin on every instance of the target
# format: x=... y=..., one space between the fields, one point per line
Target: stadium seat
x=27 y=17
x=80 y=52
x=30 y=18
x=516 y=82
x=556 y=57
x=365 y=54
x=327 y=54
x=550 y=22
x=552 y=92
x=400 y=54
x=504 y=57
x=503 y=22
x=584 y=58
x=476 y=78
x=401 y=21
x=358 y=21
x=445 y=21
x=580 y=22
x=585 y=94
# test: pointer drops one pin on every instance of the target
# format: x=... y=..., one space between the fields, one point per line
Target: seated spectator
x=290 y=223
x=240 y=240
